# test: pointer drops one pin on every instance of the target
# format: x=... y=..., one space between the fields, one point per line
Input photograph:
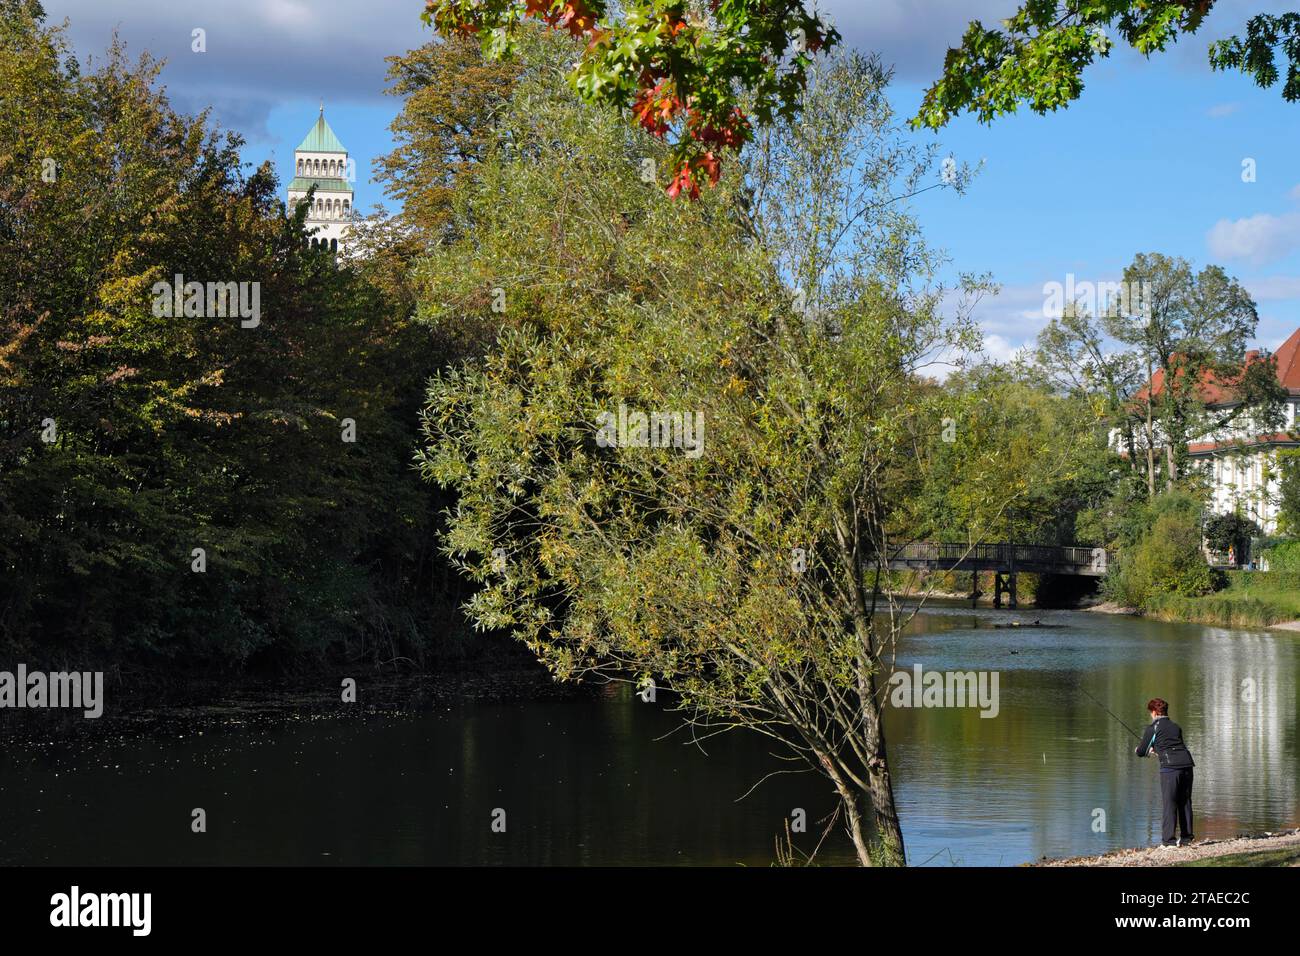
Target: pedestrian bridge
x=1005 y=560
x=1008 y=558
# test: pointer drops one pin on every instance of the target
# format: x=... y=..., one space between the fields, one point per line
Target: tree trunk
x=881 y=786
x=1151 y=439
x=853 y=820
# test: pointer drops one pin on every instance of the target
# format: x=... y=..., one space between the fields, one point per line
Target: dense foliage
x=689 y=73
x=1015 y=441
x=1162 y=552
x=1041 y=51
x=738 y=567
x=131 y=436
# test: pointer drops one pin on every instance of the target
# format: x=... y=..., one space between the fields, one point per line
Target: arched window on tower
x=347 y=209
x=338 y=209
x=299 y=167
x=334 y=245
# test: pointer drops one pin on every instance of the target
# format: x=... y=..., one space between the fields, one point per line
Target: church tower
x=321 y=161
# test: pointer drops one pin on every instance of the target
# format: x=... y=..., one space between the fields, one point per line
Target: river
x=609 y=780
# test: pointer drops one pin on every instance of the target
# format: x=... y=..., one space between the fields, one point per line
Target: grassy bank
x=1251 y=599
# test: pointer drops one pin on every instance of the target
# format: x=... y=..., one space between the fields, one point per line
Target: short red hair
x=1158 y=707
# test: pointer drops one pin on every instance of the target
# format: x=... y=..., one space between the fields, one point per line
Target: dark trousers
x=1176 y=789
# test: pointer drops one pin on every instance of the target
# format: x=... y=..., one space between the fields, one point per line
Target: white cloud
x=1259 y=239
x=1000 y=349
x=911 y=35
x=1273 y=288
x=1222 y=110
x=259 y=52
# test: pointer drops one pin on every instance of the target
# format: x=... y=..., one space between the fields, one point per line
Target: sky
x=1151 y=159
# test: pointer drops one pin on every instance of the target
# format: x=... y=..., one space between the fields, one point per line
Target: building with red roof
x=1240 y=459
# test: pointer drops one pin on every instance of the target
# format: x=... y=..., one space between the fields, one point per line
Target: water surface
x=609 y=780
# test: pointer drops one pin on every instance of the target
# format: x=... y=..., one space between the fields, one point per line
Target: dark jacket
x=1166 y=738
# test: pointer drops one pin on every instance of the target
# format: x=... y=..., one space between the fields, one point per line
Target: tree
x=1076 y=355
x=743 y=573
x=1160 y=551
x=1288 y=511
x=1230 y=531
x=687 y=76
x=132 y=435
x=1039 y=56
x=1019 y=464
x=450 y=92
x=1191 y=332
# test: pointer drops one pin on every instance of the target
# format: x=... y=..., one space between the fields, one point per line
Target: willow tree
x=738 y=566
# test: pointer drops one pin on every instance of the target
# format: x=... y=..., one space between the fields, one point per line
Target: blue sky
x=1149 y=160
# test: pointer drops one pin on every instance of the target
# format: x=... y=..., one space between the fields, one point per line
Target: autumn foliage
x=679 y=75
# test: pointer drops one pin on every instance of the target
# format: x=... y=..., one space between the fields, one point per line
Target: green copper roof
x=321 y=139
x=322 y=185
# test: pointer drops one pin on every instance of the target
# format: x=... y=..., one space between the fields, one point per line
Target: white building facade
x=1241 y=466
x=322 y=161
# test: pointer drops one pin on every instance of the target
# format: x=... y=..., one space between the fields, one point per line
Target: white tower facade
x=322 y=161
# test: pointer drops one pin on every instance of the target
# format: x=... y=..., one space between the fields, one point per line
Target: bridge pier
x=1004 y=583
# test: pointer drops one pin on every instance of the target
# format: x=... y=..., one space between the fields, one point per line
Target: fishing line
x=1109 y=711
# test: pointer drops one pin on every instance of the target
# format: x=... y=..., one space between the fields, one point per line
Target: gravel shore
x=1168 y=856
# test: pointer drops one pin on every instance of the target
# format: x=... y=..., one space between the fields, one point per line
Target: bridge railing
x=945 y=554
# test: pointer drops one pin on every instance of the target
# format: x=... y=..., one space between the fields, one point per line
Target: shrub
x=1283 y=557
x=1167 y=559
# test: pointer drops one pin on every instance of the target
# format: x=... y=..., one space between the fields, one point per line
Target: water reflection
x=1030 y=783
x=608 y=781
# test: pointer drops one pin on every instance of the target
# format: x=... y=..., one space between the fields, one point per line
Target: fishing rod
x=1109 y=711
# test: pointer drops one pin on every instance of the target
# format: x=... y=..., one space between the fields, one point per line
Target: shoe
x=1186 y=841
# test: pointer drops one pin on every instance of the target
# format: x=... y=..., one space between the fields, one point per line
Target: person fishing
x=1165 y=739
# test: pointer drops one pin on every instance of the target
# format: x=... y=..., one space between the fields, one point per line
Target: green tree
x=450 y=93
x=130 y=435
x=1191 y=331
x=1039 y=56
x=1079 y=359
x=744 y=573
x=1230 y=531
x=1288 y=477
x=1019 y=463
x=1160 y=552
